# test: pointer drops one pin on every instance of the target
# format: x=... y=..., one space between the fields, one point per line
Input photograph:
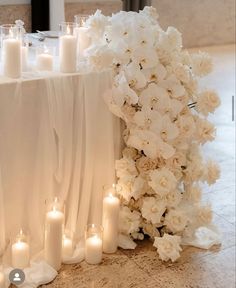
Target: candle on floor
x=110 y=222
x=93 y=244
x=11 y=48
x=20 y=251
x=67 y=247
x=2 y=280
x=84 y=40
x=44 y=58
x=67 y=48
x=53 y=235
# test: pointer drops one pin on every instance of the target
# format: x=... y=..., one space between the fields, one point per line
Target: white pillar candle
x=67 y=53
x=84 y=41
x=53 y=238
x=2 y=280
x=67 y=247
x=44 y=62
x=20 y=255
x=24 y=57
x=111 y=209
x=93 y=250
x=12 y=58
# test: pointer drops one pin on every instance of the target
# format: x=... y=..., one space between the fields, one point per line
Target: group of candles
x=59 y=245
x=73 y=41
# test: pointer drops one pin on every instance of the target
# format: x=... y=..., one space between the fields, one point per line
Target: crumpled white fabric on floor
x=57 y=137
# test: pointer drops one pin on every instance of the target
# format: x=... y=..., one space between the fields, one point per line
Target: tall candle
x=12 y=58
x=44 y=62
x=24 y=57
x=67 y=51
x=111 y=208
x=93 y=250
x=20 y=255
x=67 y=247
x=2 y=280
x=53 y=238
x=84 y=41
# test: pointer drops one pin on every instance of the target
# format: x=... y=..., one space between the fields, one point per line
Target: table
x=57 y=137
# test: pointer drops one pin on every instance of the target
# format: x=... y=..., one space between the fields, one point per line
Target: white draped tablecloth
x=57 y=138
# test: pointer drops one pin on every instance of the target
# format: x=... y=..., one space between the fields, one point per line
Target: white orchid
x=155 y=92
x=129 y=221
x=153 y=209
x=156 y=74
x=162 y=181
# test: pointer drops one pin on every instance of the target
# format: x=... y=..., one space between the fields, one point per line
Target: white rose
x=145 y=164
x=125 y=168
x=175 y=220
x=168 y=247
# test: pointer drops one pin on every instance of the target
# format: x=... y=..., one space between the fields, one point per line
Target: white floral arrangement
x=155 y=92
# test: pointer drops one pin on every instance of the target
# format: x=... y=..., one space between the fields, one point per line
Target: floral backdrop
x=155 y=92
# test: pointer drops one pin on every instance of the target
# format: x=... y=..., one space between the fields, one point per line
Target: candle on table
x=24 y=57
x=93 y=244
x=44 y=58
x=67 y=50
x=67 y=246
x=84 y=41
x=81 y=32
x=12 y=56
x=110 y=222
x=20 y=253
x=53 y=237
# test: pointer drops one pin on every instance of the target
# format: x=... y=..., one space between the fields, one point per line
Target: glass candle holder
x=68 y=244
x=11 y=42
x=20 y=251
x=67 y=47
x=54 y=224
x=45 y=58
x=110 y=219
x=93 y=244
x=81 y=32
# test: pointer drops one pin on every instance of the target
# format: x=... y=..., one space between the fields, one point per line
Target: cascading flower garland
x=156 y=94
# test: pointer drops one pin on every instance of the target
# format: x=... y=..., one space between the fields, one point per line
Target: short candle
x=44 y=61
x=20 y=254
x=93 y=250
x=67 y=247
